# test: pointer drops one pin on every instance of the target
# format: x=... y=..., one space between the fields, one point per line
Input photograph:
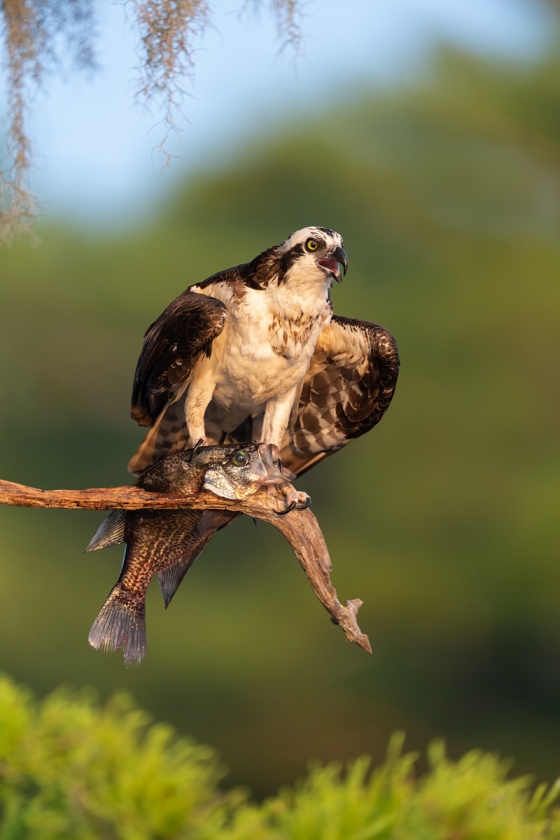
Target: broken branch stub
x=299 y=527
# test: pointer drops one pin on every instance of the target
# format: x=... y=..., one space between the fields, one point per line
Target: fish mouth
x=332 y=263
x=276 y=472
x=266 y=470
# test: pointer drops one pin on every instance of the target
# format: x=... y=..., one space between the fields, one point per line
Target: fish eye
x=311 y=244
x=240 y=458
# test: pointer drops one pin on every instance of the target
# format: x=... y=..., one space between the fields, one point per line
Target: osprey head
x=314 y=249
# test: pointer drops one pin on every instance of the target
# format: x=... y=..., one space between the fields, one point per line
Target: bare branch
x=299 y=527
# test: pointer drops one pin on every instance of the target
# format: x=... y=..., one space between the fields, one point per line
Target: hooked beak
x=332 y=264
x=342 y=258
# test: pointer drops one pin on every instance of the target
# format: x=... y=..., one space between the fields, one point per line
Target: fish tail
x=120 y=626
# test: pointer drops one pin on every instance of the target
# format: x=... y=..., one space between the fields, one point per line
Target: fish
x=168 y=542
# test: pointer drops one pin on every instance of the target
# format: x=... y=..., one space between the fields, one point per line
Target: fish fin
x=120 y=627
x=110 y=532
x=207 y=521
x=170 y=579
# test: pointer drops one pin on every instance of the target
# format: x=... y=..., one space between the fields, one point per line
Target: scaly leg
x=197 y=401
x=277 y=416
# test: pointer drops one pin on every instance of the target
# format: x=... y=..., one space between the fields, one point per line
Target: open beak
x=332 y=264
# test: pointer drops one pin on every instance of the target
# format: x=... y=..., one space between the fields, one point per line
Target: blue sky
x=95 y=155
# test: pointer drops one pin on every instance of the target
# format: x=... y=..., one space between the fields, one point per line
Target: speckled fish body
x=168 y=542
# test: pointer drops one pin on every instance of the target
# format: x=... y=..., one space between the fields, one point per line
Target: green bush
x=471 y=799
x=71 y=768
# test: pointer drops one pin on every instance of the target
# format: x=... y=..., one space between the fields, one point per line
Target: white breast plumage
x=263 y=351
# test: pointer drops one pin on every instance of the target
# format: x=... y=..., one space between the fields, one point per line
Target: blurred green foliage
x=72 y=768
x=471 y=799
x=69 y=768
x=443 y=520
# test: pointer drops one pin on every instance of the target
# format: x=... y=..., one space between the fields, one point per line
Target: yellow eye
x=240 y=458
x=311 y=244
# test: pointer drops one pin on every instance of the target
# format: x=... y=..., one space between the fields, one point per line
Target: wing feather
x=348 y=388
x=172 y=346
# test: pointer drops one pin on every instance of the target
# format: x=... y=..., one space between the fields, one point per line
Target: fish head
x=243 y=469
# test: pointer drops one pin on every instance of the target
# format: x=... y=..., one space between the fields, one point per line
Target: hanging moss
x=39 y=35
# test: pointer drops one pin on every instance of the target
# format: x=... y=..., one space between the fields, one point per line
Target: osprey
x=255 y=353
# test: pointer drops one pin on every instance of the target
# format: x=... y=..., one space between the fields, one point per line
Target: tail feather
x=120 y=627
x=166 y=437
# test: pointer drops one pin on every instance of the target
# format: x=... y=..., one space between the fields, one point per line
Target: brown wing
x=347 y=390
x=172 y=346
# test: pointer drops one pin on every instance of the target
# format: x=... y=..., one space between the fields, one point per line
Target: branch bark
x=299 y=527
